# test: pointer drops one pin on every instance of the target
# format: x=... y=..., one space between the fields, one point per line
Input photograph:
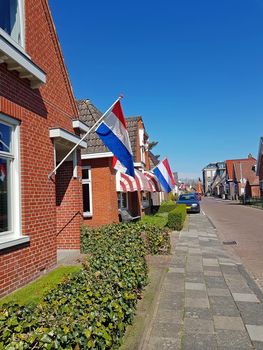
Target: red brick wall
x=104 y=195
x=51 y=106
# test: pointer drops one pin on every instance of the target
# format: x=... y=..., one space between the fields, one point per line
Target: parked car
x=191 y=202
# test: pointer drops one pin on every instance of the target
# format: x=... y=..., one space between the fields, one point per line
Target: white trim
x=78 y=124
x=17 y=60
x=10 y=241
x=88 y=214
x=97 y=155
x=75 y=164
x=139 y=164
x=14 y=210
x=65 y=135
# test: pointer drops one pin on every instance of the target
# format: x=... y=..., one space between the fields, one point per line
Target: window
x=10 y=220
x=11 y=19
x=86 y=191
x=122 y=200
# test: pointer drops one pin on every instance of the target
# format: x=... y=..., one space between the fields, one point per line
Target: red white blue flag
x=114 y=134
x=164 y=174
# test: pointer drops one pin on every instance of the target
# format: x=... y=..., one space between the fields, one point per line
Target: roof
x=89 y=114
x=246 y=169
x=230 y=163
x=153 y=160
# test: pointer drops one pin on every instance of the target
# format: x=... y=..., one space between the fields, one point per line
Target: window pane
x=85 y=174
x=4 y=170
x=86 y=197
x=5 y=138
x=10 y=19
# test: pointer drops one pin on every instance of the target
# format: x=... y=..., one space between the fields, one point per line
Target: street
x=243 y=225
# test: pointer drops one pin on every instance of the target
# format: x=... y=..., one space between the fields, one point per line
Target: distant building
x=209 y=172
x=260 y=165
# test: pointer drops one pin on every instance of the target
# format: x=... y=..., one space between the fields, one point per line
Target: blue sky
x=192 y=69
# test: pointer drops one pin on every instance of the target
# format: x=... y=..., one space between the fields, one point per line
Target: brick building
x=260 y=165
x=105 y=191
x=38 y=125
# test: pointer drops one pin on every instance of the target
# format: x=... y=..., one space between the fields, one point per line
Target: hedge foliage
x=176 y=217
x=157 y=239
x=91 y=309
x=167 y=206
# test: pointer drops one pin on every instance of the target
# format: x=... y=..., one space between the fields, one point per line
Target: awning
x=153 y=182
x=142 y=181
x=126 y=183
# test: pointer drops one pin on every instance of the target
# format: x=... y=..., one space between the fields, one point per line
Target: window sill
x=87 y=215
x=19 y=61
x=10 y=241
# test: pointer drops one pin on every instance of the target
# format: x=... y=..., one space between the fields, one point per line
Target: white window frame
x=21 y=13
x=88 y=181
x=121 y=201
x=14 y=236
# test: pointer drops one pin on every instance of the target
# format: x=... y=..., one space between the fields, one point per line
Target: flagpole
x=88 y=132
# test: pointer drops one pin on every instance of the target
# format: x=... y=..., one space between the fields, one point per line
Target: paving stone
x=165 y=329
x=200 y=294
x=223 y=306
x=229 y=323
x=250 y=298
x=258 y=345
x=255 y=332
x=199 y=342
x=162 y=343
x=233 y=340
x=252 y=313
x=197 y=302
x=195 y=286
x=218 y=292
x=213 y=273
x=210 y=262
x=215 y=282
x=169 y=316
x=196 y=313
x=198 y=326
x=177 y=269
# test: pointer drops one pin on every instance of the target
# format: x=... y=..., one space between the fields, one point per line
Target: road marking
x=203 y=212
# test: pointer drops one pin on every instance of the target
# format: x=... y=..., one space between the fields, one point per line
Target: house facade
x=39 y=214
x=208 y=176
x=241 y=178
x=105 y=190
x=260 y=165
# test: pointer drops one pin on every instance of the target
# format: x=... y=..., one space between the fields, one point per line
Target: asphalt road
x=243 y=225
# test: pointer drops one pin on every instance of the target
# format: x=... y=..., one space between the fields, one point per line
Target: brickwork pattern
x=50 y=106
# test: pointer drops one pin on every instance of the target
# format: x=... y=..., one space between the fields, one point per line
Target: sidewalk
x=207 y=300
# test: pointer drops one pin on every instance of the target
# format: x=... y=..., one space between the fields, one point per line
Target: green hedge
x=176 y=217
x=167 y=206
x=91 y=309
x=157 y=239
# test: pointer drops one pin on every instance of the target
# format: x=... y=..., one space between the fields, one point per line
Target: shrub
x=177 y=217
x=157 y=239
x=167 y=206
x=156 y=220
x=91 y=309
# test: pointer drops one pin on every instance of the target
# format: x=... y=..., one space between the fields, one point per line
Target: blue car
x=191 y=202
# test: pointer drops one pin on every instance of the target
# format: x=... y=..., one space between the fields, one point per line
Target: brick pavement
x=207 y=300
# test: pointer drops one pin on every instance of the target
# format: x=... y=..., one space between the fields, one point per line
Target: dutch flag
x=114 y=134
x=165 y=176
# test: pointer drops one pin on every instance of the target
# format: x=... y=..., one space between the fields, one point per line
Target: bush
x=157 y=239
x=167 y=206
x=91 y=309
x=176 y=217
x=156 y=220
